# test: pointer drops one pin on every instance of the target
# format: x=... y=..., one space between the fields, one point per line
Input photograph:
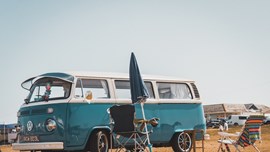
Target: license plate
x=29 y=138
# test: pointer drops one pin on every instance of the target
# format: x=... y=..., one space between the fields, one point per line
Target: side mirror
x=26 y=101
x=89 y=95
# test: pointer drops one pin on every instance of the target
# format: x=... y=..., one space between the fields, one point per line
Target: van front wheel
x=181 y=142
x=99 y=142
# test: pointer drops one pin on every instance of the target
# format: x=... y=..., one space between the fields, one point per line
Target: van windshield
x=46 y=89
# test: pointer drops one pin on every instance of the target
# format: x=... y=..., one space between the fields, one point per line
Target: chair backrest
x=251 y=131
x=123 y=116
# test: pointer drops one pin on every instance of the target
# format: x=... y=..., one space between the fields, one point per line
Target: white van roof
x=69 y=76
x=124 y=75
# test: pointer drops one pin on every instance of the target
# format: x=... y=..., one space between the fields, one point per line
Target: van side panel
x=82 y=118
x=174 y=118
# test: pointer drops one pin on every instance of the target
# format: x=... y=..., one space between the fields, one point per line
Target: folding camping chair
x=126 y=131
x=251 y=132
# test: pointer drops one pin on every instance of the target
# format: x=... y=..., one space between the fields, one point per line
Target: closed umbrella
x=139 y=92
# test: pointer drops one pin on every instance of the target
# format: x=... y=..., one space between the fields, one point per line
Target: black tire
x=236 y=124
x=99 y=142
x=181 y=142
x=52 y=151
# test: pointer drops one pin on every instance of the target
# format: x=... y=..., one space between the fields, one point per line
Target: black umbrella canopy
x=138 y=88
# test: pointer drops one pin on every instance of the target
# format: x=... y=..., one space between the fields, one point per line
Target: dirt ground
x=209 y=145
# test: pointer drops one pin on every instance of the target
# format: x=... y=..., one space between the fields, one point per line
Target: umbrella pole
x=145 y=125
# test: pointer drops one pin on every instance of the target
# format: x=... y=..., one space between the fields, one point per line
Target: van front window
x=46 y=89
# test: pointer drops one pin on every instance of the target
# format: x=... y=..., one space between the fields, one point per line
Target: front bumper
x=38 y=146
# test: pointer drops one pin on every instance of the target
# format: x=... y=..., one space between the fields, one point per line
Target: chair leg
x=227 y=148
x=236 y=147
x=122 y=143
x=221 y=148
x=139 y=143
x=111 y=141
x=135 y=140
x=220 y=145
x=256 y=147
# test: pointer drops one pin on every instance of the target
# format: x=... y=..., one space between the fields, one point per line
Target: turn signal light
x=50 y=125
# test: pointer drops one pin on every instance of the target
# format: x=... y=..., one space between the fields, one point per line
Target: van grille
x=33 y=112
x=26 y=112
x=39 y=111
x=196 y=92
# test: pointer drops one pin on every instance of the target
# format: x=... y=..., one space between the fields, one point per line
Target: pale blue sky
x=222 y=45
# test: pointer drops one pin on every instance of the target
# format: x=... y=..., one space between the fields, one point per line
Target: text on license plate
x=29 y=138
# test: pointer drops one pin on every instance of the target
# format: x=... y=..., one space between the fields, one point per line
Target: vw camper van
x=68 y=111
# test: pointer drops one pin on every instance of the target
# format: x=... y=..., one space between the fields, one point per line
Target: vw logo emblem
x=29 y=125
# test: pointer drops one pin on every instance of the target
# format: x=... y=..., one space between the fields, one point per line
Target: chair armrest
x=140 y=123
x=152 y=121
x=225 y=134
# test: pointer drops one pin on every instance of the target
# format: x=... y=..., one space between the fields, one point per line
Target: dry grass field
x=210 y=145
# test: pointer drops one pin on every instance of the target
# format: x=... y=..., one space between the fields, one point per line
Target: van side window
x=78 y=89
x=173 y=91
x=98 y=88
x=123 y=89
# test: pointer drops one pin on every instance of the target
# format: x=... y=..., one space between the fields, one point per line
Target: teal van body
x=69 y=122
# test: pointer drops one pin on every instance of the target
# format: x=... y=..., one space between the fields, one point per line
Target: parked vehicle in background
x=237 y=119
x=3 y=138
x=5 y=130
x=223 y=120
x=266 y=120
x=12 y=137
x=213 y=123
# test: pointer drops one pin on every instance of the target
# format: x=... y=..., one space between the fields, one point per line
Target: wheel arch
x=94 y=130
x=178 y=133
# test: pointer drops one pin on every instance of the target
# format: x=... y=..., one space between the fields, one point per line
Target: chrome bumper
x=38 y=146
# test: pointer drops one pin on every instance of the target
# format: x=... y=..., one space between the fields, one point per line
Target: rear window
x=173 y=91
x=122 y=89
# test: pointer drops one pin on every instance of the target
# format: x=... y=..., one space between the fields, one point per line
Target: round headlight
x=18 y=127
x=50 y=124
